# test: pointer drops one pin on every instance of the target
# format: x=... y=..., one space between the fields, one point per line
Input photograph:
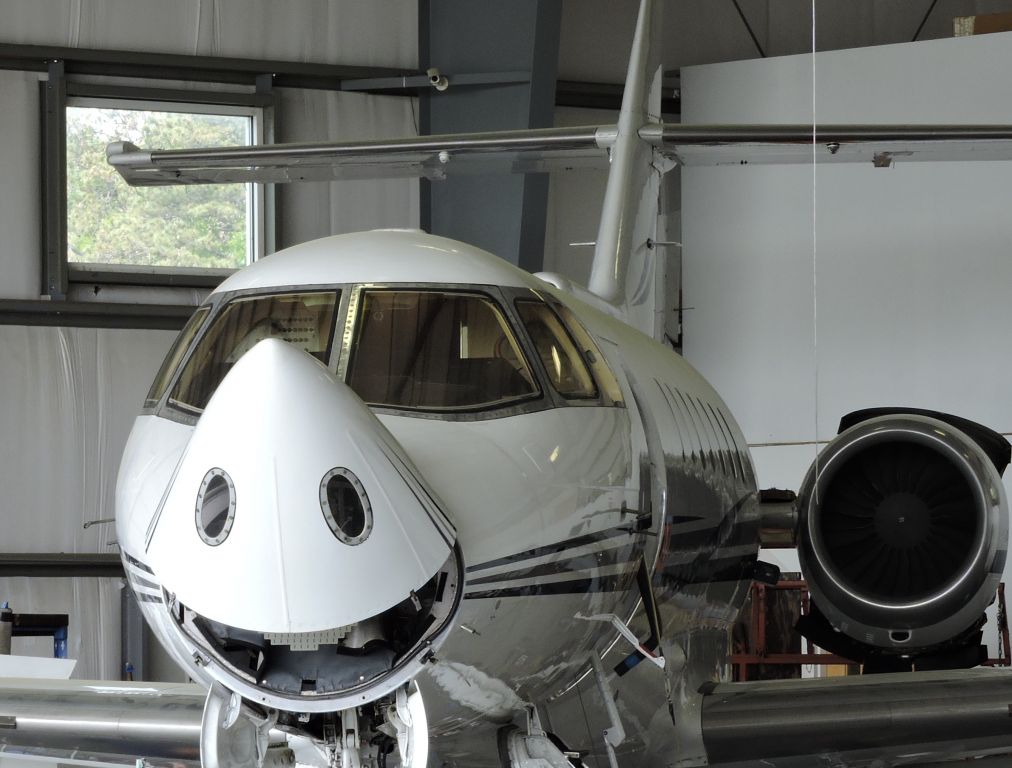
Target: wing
x=910 y=719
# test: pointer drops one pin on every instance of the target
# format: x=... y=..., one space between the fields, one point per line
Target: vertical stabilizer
x=627 y=271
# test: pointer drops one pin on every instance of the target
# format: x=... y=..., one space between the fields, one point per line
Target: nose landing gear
x=232 y=735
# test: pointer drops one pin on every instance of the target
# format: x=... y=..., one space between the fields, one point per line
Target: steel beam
x=61 y=565
x=518 y=42
x=54 y=183
x=86 y=314
x=206 y=69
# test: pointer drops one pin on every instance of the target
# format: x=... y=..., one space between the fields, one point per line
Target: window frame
x=602 y=398
x=536 y=401
x=57 y=93
x=218 y=304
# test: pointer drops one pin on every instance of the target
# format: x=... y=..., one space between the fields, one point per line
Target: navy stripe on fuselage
x=135 y=562
x=702 y=571
x=548 y=549
x=571 y=565
x=614 y=583
x=144 y=598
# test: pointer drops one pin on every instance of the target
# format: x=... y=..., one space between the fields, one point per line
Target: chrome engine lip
x=824 y=580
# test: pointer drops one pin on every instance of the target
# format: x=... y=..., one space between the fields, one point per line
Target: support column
x=504 y=214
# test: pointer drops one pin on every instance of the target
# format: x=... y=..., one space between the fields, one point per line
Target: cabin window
x=436 y=351
x=567 y=371
x=303 y=319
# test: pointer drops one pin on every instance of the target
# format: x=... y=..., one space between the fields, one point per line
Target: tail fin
x=628 y=271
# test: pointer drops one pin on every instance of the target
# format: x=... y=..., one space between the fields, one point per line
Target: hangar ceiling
x=710 y=31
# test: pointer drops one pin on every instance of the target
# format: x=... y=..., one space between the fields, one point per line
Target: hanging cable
x=744 y=20
x=815 y=252
x=924 y=20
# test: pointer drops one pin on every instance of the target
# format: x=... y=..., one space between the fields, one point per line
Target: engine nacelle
x=903 y=531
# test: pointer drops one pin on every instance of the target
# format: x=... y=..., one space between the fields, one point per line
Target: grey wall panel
x=318 y=209
x=69 y=397
x=574 y=205
x=379 y=32
x=67 y=400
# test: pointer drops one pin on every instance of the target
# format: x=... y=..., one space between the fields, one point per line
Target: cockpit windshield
x=303 y=319
x=436 y=350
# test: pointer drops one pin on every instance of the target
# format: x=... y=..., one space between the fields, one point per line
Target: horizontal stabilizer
x=880 y=145
x=429 y=157
x=552 y=149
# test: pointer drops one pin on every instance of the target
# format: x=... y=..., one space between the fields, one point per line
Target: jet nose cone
x=293 y=509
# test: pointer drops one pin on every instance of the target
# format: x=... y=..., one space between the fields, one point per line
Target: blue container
x=60 y=643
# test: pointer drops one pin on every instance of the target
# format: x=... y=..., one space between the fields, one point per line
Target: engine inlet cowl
x=903 y=528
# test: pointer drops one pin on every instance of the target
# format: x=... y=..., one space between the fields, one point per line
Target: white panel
x=20 y=212
x=378 y=33
x=70 y=397
x=950 y=80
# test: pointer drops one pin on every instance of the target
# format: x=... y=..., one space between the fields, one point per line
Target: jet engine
x=903 y=530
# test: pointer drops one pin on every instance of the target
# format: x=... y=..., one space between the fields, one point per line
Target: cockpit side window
x=592 y=354
x=567 y=371
x=303 y=319
x=434 y=350
x=172 y=360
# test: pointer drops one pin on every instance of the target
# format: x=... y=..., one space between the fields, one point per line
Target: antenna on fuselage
x=626 y=270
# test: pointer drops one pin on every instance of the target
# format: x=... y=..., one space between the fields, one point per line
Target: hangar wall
x=817 y=291
x=69 y=395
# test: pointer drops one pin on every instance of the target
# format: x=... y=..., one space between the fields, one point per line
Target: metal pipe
x=64 y=564
x=933 y=714
x=139 y=720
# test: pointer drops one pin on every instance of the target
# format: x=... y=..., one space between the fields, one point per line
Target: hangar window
x=100 y=231
x=111 y=223
x=436 y=351
x=303 y=319
x=560 y=355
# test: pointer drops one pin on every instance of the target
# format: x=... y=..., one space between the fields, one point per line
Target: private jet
x=393 y=501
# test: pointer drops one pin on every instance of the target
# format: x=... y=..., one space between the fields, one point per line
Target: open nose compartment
x=348 y=660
